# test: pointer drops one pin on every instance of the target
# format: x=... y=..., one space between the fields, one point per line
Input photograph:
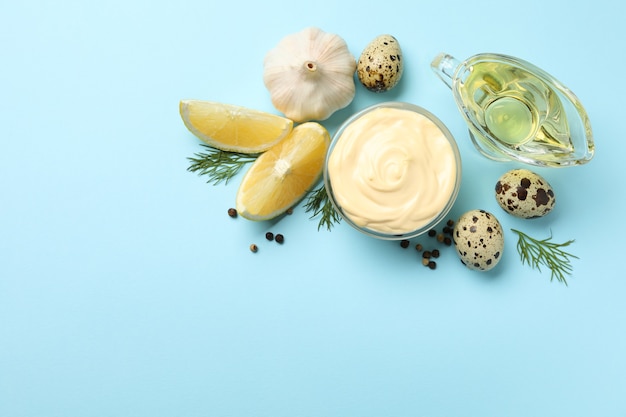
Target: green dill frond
x=537 y=253
x=219 y=166
x=319 y=203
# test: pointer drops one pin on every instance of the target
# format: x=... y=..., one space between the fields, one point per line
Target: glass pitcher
x=516 y=111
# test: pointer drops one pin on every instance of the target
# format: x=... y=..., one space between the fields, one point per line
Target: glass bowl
x=393 y=171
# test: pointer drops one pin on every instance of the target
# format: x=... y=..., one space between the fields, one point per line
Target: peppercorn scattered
x=442 y=237
x=254 y=248
x=289 y=211
x=279 y=238
x=269 y=236
x=232 y=212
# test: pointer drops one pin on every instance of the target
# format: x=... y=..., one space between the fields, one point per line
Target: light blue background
x=126 y=290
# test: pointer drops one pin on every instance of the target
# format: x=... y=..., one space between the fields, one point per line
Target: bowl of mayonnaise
x=393 y=171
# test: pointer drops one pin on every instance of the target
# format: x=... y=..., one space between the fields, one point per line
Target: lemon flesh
x=282 y=176
x=234 y=128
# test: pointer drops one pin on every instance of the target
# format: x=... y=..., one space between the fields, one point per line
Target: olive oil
x=516 y=107
x=515 y=110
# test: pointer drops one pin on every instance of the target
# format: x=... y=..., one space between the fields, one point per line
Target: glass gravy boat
x=516 y=111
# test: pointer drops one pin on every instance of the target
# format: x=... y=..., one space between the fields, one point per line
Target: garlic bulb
x=310 y=75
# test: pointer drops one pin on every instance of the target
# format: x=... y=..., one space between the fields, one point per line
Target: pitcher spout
x=445 y=65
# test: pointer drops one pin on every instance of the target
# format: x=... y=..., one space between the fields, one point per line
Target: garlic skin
x=310 y=75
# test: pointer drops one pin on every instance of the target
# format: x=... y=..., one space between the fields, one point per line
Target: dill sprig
x=219 y=166
x=535 y=253
x=319 y=203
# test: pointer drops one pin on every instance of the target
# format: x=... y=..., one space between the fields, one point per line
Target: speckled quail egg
x=380 y=65
x=479 y=240
x=524 y=194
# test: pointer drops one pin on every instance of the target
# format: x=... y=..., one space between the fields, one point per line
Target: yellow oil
x=516 y=108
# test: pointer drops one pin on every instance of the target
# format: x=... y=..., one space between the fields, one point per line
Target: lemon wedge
x=234 y=128
x=282 y=176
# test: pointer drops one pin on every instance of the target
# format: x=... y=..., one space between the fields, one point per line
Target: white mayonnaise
x=392 y=171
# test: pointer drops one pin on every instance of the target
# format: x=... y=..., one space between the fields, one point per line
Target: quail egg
x=479 y=240
x=380 y=65
x=524 y=194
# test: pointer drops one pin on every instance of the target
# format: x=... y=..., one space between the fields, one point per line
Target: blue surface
x=126 y=290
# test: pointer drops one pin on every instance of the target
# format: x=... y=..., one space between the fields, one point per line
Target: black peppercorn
x=435 y=253
x=404 y=243
x=269 y=236
x=279 y=238
x=432 y=233
x=427 y=254
x=232 y=212
x=450 y=223
x=432 y=264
